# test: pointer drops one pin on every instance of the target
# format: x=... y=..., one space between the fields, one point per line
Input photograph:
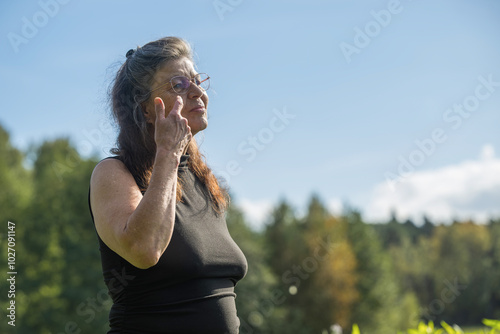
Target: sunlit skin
x=194 y=101
x=139 y=226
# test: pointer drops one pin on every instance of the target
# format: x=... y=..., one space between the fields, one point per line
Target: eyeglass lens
x=181 y=84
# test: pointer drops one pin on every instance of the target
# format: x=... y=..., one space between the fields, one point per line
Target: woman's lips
x=198 y=109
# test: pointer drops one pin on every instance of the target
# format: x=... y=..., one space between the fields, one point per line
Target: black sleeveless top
x=191 y=288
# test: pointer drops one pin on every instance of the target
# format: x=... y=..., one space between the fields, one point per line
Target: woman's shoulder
x=110 y=168
x=112 y=158
x=109 y=162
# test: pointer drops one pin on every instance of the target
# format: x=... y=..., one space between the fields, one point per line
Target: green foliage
x=423 y=328
x=57 y=256
x=311 y=274
x=383 y=306
x=60 y=259
x=259 y=299
x=16 y=192
x=494 y=324
x=330 y=266
x=15 y=180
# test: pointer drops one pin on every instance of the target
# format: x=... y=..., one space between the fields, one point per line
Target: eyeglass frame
x=190 y=82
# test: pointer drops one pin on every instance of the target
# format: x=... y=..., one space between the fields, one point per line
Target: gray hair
x=129 y=92
x=133 y=82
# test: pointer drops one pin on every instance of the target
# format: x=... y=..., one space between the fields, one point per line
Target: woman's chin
x=198 y=125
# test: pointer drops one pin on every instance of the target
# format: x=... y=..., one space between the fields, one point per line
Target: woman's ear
x=149 y=112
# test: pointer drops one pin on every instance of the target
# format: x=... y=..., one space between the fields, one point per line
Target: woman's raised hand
x=172 y=133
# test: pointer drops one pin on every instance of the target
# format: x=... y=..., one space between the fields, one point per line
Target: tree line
x=315 y=273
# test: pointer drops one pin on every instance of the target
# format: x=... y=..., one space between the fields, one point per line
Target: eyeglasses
x=180 y=84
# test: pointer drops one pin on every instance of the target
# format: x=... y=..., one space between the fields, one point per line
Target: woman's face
x=195 y=99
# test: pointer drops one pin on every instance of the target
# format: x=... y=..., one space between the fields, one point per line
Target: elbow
x=142 y=253
x=145 y=259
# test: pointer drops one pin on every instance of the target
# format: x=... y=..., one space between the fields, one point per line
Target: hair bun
x=130 y=53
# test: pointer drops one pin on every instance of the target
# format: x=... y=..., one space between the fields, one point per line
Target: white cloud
x=335 y=206
x=470 y=189
x=256 y=211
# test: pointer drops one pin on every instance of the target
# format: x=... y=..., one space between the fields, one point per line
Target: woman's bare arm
x=137 y=227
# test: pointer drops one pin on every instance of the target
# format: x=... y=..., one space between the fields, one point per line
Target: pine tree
x=382 y=306
x=259 y=300
x=15 y=195
x=60 y=259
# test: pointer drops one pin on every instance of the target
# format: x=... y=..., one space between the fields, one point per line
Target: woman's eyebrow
x=184 y=74
x=165 y=79
x=191 y=74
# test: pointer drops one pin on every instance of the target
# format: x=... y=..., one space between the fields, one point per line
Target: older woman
x=167 y=257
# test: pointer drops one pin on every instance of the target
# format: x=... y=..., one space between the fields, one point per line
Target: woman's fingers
x=176 y=110
x=172 y=131
x=159 y=108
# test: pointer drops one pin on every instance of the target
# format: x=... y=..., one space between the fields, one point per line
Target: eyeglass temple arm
x=159 y=87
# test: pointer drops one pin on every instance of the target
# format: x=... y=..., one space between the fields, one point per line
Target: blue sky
x=378 y=104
